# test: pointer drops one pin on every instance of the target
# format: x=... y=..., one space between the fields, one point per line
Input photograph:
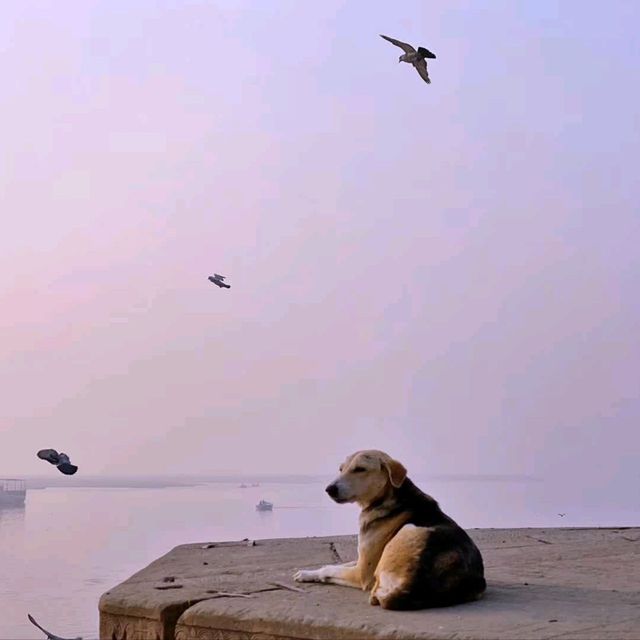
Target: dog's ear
x=397 y=472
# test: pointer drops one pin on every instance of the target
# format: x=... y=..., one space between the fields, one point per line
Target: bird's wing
x=421 y=68
x=67 y=468
x=50 y=455
x=407 y=48
x=47 y=633
x=217 y=275
x=50 y=636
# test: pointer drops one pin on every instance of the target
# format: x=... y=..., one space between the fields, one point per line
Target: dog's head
x=365 y=476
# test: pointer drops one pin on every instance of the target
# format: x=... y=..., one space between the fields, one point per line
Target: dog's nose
x=332 y=490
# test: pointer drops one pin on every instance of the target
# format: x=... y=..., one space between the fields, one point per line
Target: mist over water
x=68 y=546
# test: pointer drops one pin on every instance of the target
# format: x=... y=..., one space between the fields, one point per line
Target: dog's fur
x=410 y=554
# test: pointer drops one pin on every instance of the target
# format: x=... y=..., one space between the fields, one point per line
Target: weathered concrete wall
x=553 y=583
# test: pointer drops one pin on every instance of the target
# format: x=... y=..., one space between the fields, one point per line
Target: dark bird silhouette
x=562 y=515
x=50 y=636
x=60 y=460
x=217 y=279
x=416 y=58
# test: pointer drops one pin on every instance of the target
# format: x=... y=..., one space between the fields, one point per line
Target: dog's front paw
x=306 y=576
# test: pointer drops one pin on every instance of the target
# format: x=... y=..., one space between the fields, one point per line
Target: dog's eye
x=359 y=470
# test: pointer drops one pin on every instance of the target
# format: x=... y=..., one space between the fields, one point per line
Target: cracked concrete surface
x=542 y=583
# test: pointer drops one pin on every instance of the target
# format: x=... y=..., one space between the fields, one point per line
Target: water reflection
x=11 y=516
x=12 y=523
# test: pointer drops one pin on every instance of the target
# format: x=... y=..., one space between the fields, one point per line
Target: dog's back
x=430 y=561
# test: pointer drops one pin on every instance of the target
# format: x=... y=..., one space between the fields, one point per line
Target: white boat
x=263 y=505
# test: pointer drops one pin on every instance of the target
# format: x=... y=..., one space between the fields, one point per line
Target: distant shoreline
x=166 y=482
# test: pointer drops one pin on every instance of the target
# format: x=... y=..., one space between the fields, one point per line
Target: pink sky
x=448 y=272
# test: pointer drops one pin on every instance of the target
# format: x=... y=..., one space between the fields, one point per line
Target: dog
x=411 y=555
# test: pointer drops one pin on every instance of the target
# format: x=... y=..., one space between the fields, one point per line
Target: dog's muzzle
x=337 y=492
x=333 y=491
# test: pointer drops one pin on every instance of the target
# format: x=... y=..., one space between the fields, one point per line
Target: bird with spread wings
x=218 y=280
x=416 y=58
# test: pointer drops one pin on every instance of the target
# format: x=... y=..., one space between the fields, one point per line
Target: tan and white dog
x=410 y=554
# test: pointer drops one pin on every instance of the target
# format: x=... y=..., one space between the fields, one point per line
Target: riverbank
x=543 y=583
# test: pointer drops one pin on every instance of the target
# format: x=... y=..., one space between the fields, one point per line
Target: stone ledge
x=551 y=583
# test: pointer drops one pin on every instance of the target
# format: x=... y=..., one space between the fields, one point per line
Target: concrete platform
x=542 y=583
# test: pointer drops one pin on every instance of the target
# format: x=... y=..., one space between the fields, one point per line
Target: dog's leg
x=373 y=599
x=308 y=573
x=347 y=575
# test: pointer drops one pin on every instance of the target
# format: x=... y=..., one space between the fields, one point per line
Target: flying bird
x=416 y=58
x=562 y=515
x=216 y=278
x=60 y=460
x=50 y=636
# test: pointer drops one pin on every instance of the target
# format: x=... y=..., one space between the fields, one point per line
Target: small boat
x=12 y=492
x=263 y=505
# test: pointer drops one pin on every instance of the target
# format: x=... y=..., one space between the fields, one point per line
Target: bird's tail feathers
x=426 y=53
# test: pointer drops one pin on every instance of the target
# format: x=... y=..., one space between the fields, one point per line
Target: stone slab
x=542 y=583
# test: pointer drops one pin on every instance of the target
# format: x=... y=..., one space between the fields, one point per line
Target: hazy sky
x=449 y=272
